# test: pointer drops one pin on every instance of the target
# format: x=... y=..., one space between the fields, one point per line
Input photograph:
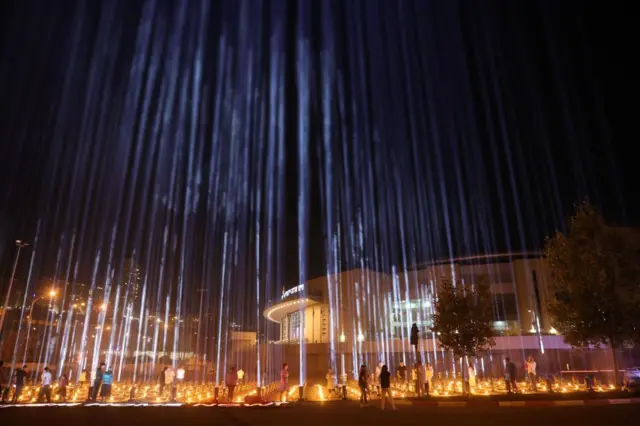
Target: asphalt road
x=329 y=414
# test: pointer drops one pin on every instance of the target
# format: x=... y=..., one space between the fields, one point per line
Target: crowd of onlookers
x=100 y=381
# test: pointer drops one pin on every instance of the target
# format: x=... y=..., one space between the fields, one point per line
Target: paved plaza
x=326 y=414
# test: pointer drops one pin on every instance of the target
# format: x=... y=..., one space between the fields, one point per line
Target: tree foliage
x=463 y=318
x=595 y=270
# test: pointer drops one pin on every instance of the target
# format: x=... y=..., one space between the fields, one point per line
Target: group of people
x=169 y=377
x=19 y=380
x=101 y=381
x=511 y=371
x=382 y=378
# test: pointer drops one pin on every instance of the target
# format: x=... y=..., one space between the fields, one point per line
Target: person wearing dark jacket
x=510 y=376
x=385 y=385
x=98 y=381
x=363 y=378
x=20 y=376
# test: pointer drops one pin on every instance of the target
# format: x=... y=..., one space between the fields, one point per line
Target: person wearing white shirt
x=180 y=374
x=45 y=385
x=531 y=371
x=169 y=375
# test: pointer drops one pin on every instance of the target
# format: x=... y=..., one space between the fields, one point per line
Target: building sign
x=291 y=291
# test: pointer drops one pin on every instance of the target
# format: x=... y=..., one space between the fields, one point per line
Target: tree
x=595 y=270
x=463 y=319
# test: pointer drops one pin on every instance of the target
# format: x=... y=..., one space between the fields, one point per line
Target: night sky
x=432 y=129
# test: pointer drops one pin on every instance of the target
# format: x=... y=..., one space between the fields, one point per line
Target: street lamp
x=52 y=294
x=20 y=244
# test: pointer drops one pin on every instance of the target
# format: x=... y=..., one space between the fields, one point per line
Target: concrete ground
x=329 y=414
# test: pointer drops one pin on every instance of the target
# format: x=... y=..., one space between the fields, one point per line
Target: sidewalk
x=538 y=403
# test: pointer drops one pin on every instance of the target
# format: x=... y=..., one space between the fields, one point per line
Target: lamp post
x=20 y=244
x=52 y=294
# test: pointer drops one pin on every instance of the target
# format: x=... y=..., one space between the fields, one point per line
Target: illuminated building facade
x=363 y=315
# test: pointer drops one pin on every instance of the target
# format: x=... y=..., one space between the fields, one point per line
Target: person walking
x=63 y=382
x=107 y=382
x=363 y=377
x=385 y=388
x=284 y=381
x=20 y=378
x=231 y=381
x=5 y=385
x=45 y=386
x=510 y=376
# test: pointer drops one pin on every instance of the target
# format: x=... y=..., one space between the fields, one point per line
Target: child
x=62 y=387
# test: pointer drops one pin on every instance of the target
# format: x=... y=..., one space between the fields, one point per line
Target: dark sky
x=434 y=129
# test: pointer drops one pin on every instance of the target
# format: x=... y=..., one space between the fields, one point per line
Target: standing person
x=510 y=376
x=92 y=378
x=472 y=377
x=21 y=376
x=376 y=377
x=385 y=386
x=83 y=378
x=429 y=377
x=419 y=379
x=45 y=386
x=169 y=377
x=402 y=374
x=363 y=377
x=531 y=370
x=97 y=382
x=161 y=379
x=5 y=386
x=241 y=376
x=231 y=381
x=331 y=382
x=284 y=380
x=63 y=382
x=107 y=382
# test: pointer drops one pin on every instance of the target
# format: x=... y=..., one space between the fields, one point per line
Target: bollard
x=259 y=392
x=344 y=392
x=301 y=393
x=467 y=387
x=426 y=388
x=216 y=393
x=132 y=393
x=549 y=385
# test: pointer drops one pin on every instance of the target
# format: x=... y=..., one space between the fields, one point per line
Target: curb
x=567 y=403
